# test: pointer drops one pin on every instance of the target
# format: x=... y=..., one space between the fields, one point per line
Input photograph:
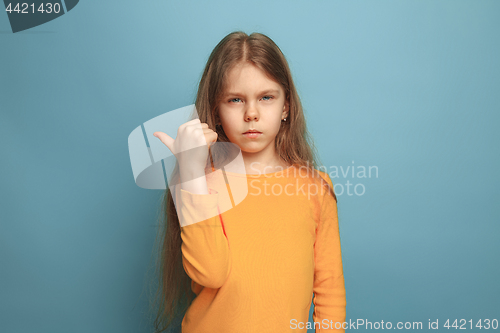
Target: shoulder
x=324 y=176
x=320 y=178
x=326 y=182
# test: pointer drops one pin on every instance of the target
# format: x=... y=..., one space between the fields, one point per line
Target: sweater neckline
x=261 y=175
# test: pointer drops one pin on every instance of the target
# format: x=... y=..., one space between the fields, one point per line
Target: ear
x=286 y=109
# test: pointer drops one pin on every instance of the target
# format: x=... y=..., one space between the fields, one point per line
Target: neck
x=254 y=165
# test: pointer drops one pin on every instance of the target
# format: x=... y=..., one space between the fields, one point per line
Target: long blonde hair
x=293 y=144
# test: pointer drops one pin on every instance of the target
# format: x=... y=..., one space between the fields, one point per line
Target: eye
x=270 y=97
x=233 y=99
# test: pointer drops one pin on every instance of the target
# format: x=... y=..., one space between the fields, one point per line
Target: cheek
x=224 y=118
x=278 y=121
x=227 y=121
x=229 y=126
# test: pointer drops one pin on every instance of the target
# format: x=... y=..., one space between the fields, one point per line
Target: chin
x=250 y=150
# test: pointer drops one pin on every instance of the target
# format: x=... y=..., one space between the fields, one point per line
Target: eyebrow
x=268 y=91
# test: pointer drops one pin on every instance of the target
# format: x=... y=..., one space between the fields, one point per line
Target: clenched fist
x=190 y=147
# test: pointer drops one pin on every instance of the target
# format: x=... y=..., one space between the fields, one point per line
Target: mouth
x=252 y=134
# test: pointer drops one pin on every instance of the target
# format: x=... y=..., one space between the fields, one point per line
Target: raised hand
x=190 y=147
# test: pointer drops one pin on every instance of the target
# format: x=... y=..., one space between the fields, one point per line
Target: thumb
x=166 y=139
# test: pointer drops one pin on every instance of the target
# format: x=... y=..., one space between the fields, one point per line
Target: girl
x=255 y=266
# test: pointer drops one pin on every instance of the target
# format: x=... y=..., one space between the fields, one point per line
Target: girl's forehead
x=246 y=66
x=241 y=73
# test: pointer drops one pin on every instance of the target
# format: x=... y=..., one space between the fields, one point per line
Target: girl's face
x=253 y=101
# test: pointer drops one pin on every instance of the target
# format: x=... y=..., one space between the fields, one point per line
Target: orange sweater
x=255 y=266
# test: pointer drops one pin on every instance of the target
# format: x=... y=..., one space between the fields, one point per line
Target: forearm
x=205 y=249
x=193 y=180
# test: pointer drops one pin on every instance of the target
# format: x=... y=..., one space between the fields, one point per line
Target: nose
x=251 y=113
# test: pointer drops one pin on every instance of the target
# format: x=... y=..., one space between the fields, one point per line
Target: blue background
x=411 y=87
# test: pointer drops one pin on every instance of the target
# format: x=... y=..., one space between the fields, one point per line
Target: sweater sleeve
x=205 y=248
x=329 y=290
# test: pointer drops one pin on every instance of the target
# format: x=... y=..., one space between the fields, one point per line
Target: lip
x=247 y=132
x=252 y=135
